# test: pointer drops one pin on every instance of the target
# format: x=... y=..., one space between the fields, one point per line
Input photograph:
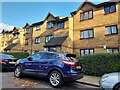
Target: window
x=26 y=42
x=110 y=9
x=111 y=30
x=60 y=25
x=36 y=56
x=48 y=38
x=87 y=34
x=49 y=56
x=86 y=51
x=52 y=49
x=37 y=40
x=112 y=50
x=25 y=51
x=16 y=35
x=36 y=51
x=86 y=15
x=27 y=30
x=49 y=25
x=41 y=56
x=38 y=27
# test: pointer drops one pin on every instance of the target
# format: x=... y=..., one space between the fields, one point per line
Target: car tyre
x=55 y=79
x=18 y=71
x=117 y=87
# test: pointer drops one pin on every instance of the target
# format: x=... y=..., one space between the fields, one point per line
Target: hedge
x=18 y=55
x=99 y=64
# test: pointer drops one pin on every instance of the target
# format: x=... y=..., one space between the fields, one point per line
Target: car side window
x=36 y=56
x=49 y=56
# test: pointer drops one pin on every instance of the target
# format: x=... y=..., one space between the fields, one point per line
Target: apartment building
x=42 y=36
x=63 y=36
x=28 y=38
x=96 y=28
x=12 y=41
x=42 y=32
x=5 y=36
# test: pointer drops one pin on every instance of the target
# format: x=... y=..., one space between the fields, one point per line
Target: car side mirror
x=29 y=58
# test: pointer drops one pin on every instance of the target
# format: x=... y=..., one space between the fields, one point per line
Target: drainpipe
x=31 y=42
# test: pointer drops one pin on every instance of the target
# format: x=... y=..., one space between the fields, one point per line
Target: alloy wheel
x=55 y=79
x=17 y=71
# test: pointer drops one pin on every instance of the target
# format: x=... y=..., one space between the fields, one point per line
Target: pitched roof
x=60 y=20
x=49 y=14
x=37 y=23
x=73 y=13
x=107 y=3
x=88 y=2
x=97 y=6
x=27 y=24
x=10 y=46
x=56 y=41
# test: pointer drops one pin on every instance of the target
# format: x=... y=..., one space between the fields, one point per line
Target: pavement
x=89 y=80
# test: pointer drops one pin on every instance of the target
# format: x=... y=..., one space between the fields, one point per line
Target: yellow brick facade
x=20 y=40
x=28 y=38
x=98 y=23
x=42 y=33
x=8 y=38
x=5 y=38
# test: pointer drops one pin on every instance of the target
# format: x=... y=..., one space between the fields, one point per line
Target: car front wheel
x=55 y=79
x=117 y=87
x=18 y=72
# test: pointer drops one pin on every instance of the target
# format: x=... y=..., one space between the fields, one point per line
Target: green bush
x=18 y=55
x=99 y=64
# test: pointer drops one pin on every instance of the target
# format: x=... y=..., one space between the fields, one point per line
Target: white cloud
x=5 y=26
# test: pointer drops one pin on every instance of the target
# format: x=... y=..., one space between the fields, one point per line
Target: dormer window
x=16 y=35
x=110 y=9
x=86 y=15
x=27 y=30
x=38 y=27
x=60 y=25
x=49 y=25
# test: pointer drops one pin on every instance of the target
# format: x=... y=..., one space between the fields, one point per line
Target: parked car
x=57 y=67
x=7 y=61
x=110 y=81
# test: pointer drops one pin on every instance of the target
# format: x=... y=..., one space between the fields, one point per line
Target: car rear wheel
x=18 y=72
x=55 y=79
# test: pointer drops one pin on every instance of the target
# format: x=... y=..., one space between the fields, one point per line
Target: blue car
x=57 y=67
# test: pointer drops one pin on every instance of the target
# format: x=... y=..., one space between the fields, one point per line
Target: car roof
x=52 y=52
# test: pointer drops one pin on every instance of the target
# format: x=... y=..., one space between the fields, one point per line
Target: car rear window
x=7 y=57
x=73 y=59
x=68 y=57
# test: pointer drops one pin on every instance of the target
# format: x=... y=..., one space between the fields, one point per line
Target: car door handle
x=51 y=62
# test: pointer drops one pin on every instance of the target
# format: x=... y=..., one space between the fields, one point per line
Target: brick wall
x=98 y=23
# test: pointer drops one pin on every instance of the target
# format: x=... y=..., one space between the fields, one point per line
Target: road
x=9 y=81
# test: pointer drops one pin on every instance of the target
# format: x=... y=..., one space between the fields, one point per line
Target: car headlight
x=104 y=78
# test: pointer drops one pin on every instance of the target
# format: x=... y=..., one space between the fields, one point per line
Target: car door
x=46 y=62
x=31 y=62
x=37 y=63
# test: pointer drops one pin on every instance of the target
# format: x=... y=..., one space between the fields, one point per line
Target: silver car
x=110 y=81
